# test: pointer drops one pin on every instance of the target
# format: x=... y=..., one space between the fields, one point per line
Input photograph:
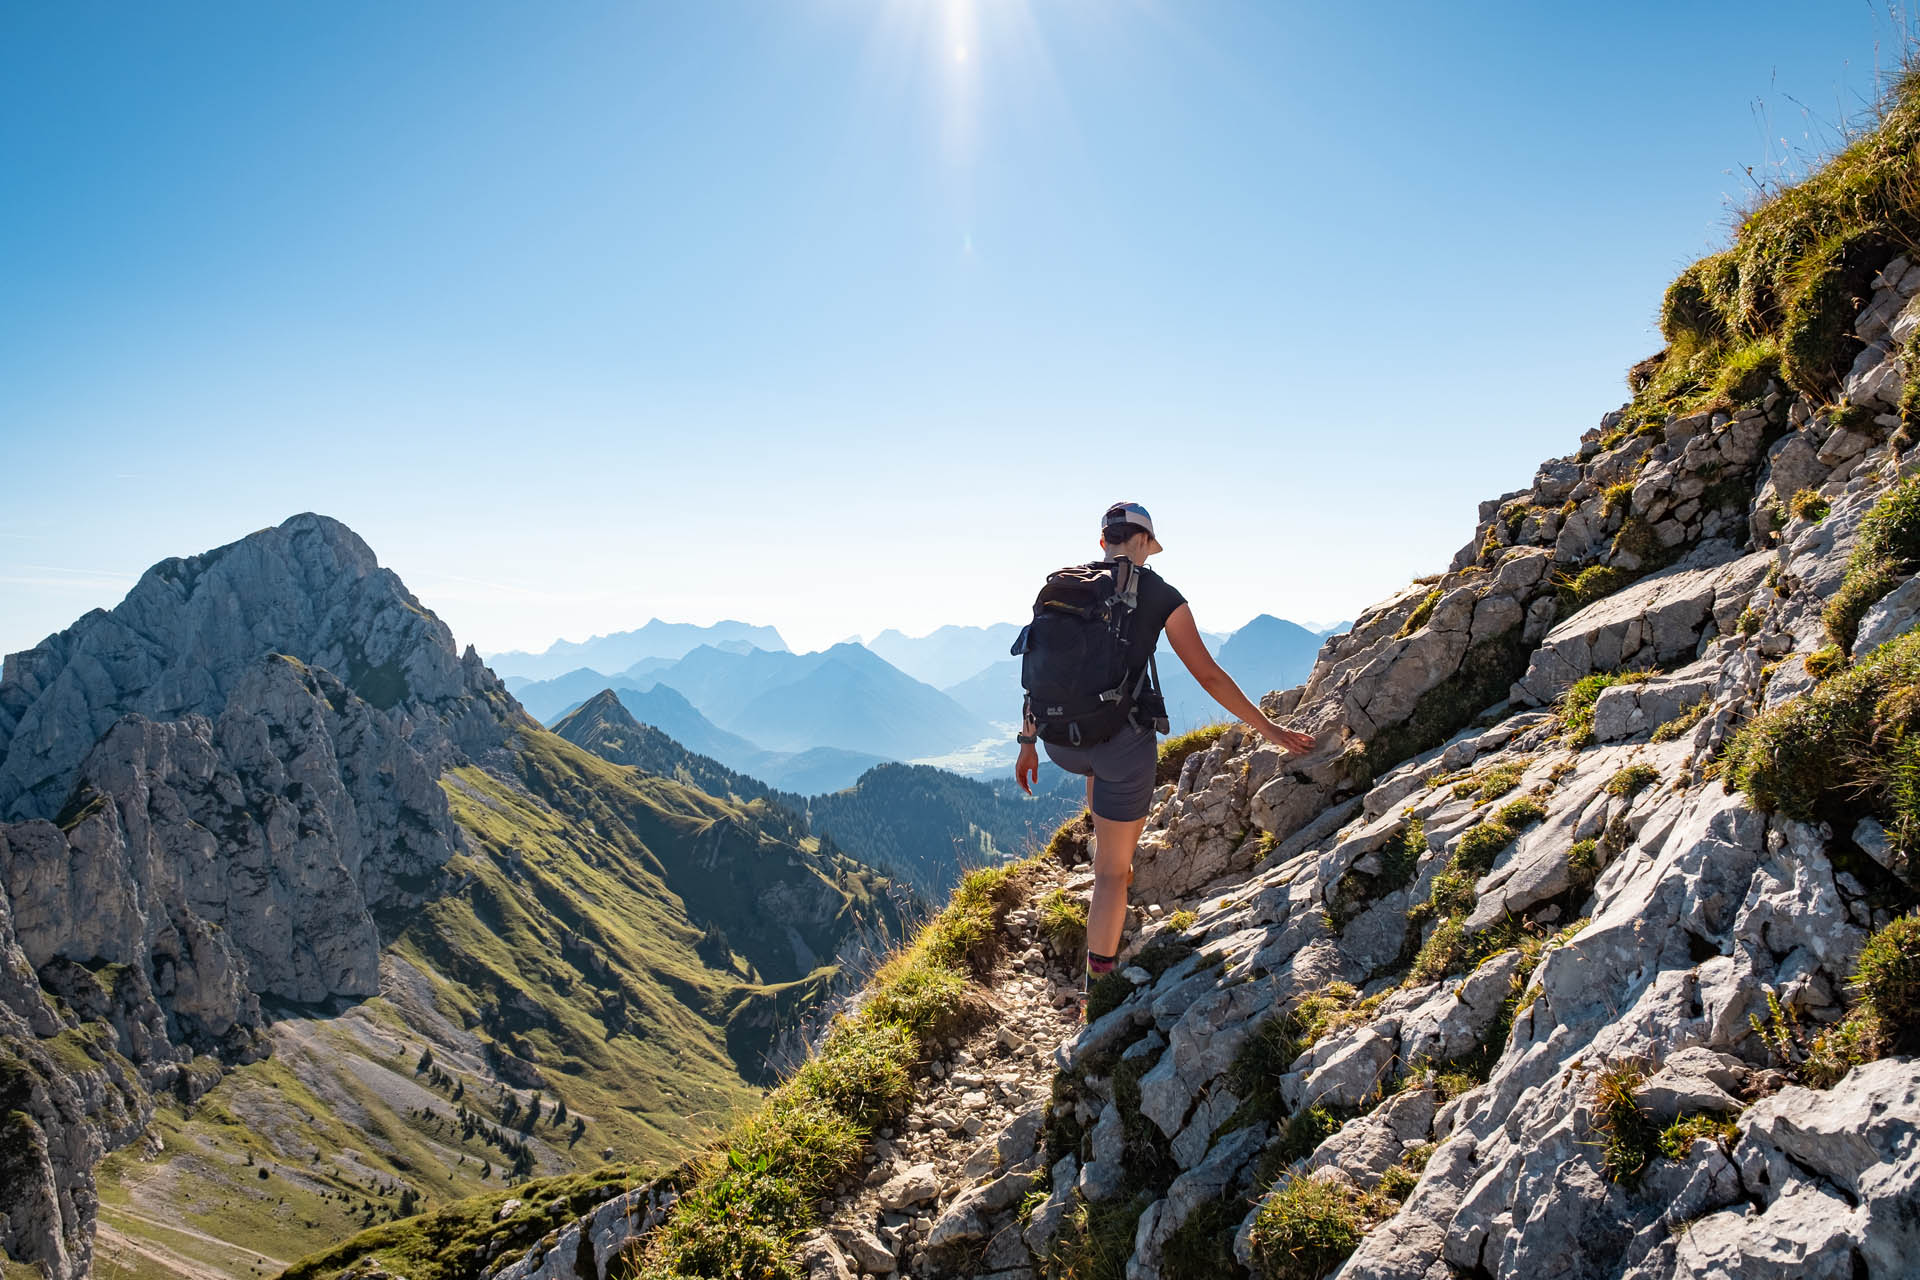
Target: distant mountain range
x=845 y=696
x=947 y=655
x=815 y=722
x=621 y=649
x=800 y=722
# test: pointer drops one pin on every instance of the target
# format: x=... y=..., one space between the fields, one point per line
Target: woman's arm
x=1026 y=769
x=1184 y=636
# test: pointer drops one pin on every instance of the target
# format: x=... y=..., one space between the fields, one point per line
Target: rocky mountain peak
x=193 y=627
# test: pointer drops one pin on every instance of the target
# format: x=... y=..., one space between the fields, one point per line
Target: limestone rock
x=868 y=1254
x=822 y=1258
x=1893 y=615
x=910 y=1187
x=1369 y=1146
x=1045 y=1223
x=1105 y=1169
x=1657 y=619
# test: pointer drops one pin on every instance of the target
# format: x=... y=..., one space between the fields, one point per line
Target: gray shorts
x=1122 y=772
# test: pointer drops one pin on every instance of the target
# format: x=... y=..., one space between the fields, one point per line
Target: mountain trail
x=943 y=1189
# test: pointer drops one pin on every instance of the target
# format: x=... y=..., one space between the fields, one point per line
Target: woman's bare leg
x=1113 y=846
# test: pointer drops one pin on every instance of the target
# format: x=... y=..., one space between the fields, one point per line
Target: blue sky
x=852 y=314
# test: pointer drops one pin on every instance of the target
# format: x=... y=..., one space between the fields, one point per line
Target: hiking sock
x=1098 y=965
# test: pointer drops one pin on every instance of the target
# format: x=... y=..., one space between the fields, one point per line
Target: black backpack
x=1074 y=659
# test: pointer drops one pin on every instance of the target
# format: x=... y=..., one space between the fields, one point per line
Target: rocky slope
x=278 y=850
x=1582 y=945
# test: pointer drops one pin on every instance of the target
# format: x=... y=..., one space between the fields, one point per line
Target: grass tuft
x=1418 y=618
x=1807 y=504
x=1583 y=862
x=1677 y=1139
x=1886 y=549
x=1175 y=750
x=1630 y=1140
x=1308 y=1226
x=1688 y=716
x=1063 y=921
x=1576 y=704
x=1590 y=584
x=1632 y=780
x=1826 y=661
x=1839 y=747
x=1072 y=840
x=1492 y=784
x=1400 y=859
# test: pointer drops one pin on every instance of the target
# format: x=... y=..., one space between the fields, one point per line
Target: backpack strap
x=1126 y=582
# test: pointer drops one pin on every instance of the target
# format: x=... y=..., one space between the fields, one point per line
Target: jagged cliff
x=264 y=809
x=1582 y=946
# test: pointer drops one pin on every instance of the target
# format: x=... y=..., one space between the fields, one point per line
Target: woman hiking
x=1119 y=769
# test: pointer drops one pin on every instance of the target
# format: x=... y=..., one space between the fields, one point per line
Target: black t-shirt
x=1158 y=600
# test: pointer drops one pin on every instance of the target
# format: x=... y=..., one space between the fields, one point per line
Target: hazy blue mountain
x=667 y=710
x=621 y=649
x=993 y=693
x=663 y=708
x=1270 y=652
x=650 y=666
x=721 y=684
x=846 y=697
x=857 y=701
x=946 y=654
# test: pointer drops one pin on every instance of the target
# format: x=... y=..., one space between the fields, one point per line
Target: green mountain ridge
x=920 y=823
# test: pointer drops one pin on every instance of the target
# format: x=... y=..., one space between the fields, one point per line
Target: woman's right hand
x=1026 y=769
x=1286 y=739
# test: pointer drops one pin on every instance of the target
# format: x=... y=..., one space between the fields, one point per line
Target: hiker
x=1112 y=739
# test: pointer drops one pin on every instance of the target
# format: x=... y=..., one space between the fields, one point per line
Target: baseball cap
x=1131 y=513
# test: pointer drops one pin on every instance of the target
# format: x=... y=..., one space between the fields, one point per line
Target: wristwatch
x=1025 y=739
